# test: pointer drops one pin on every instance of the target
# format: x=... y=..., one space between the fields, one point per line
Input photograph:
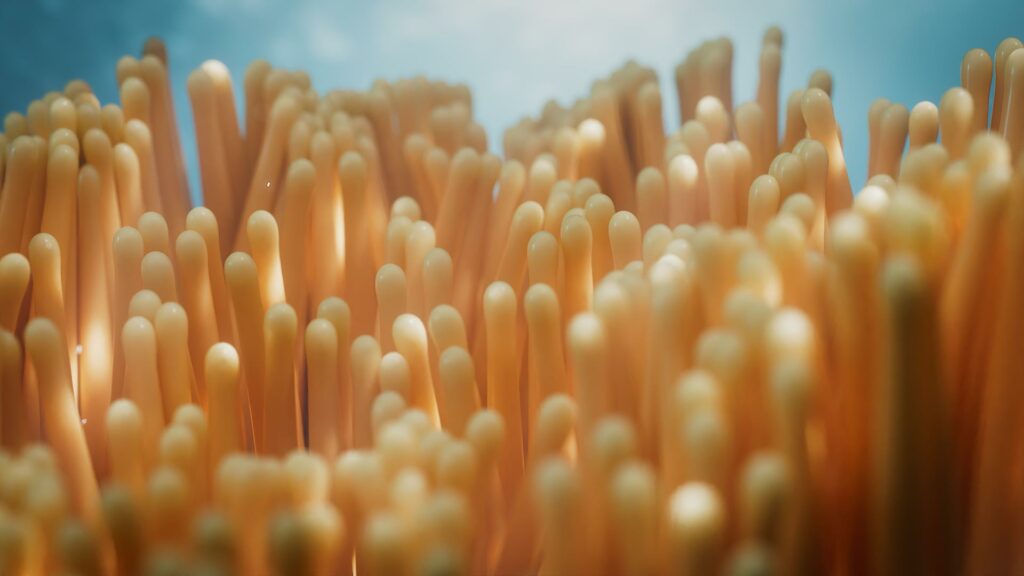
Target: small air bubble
x=78 y=349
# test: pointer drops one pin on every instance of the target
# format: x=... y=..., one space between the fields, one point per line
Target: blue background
x=514 y=54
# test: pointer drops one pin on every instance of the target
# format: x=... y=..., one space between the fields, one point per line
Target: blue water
x=514 y=54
